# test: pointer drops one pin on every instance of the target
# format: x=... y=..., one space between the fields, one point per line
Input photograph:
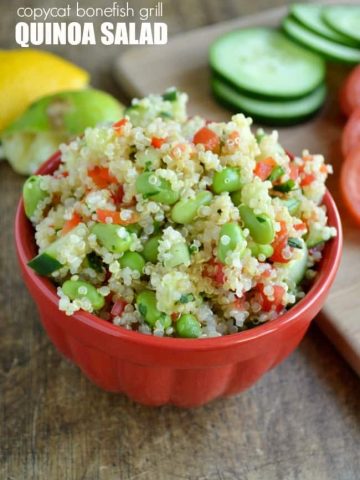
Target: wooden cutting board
x=183 y=63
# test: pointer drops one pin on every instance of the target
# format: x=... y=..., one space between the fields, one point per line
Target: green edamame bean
x=188 y=326
x=236 y=198
x=226 y=180
x=230 y=238
x=77 y=289
x=114 y=238
x=146 y=303
x=260 y=226
x=158 y=189
x=259 y=249
x=151 y=247
x=134 y=228
x=178 y=255
x=166 y=196
x=132 y=260
x=184 y=211
x=292 y=204
x=33 y=194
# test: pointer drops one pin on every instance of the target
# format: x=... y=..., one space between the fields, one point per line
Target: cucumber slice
x=294 y=271
x=327 y=48
x=263 y=62
x=114 y=238
x=292 y=204
x=178 y=255
x=46 y=262
x=310 y=16
x=318 y=234
x=272 y=112
x=344 y=19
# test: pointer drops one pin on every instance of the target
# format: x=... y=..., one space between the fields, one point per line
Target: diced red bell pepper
x=215 y=270
x=208 y=138
x=118 y=195
x=266 y=304
x=101 y=176
x=280 y=242
x=156 y=142
x=290 y=155
x=70 y=224
x=118 y=126
x=103 y=215
x=294 y=171
x=118 y=308
x=300 y=226
x=239 y=303
x=264 y=168
x=307 y=180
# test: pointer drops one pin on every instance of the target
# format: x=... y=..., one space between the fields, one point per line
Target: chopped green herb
x=193 y=248
x=292 y=204
x=94 y=262
x=276 y=173
x=165 y=115
x=285 y=187
x=170 y=95
x=186 y=298
x=148 y=166
x=295 y=242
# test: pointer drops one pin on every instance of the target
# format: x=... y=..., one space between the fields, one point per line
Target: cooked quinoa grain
x=174 y=226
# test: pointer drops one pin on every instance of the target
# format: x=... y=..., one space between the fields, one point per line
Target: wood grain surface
x=300 y=422
x=188 y=70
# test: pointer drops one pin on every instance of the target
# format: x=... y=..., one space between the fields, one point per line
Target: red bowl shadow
x=183 y=372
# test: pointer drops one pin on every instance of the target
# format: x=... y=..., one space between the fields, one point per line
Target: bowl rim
x=322 y=283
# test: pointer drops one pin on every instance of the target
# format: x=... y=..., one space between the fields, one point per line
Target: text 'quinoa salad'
x=175 y=226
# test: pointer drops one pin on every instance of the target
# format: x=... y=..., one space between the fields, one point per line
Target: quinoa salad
x=175 y=226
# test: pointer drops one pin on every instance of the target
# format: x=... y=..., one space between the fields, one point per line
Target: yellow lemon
x=26 y=75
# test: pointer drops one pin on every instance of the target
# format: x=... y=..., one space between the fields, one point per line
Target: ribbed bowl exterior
x=182 y=372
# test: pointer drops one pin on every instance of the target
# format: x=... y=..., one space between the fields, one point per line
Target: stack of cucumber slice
x=332 y=31
x=264 y=74
x=278 y=77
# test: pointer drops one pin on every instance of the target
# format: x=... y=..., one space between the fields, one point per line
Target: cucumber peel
x=318 y=234
x=327 y=48
x=345 y=20
x=47 y=262
x=294 y=271
x=44 y=264
x=311 y=16
x=271 y=112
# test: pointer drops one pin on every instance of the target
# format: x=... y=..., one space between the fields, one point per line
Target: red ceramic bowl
x=157 y=371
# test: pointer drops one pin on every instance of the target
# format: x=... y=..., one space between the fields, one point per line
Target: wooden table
x=301 y=421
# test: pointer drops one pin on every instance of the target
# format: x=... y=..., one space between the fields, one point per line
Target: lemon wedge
x=54 y=119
